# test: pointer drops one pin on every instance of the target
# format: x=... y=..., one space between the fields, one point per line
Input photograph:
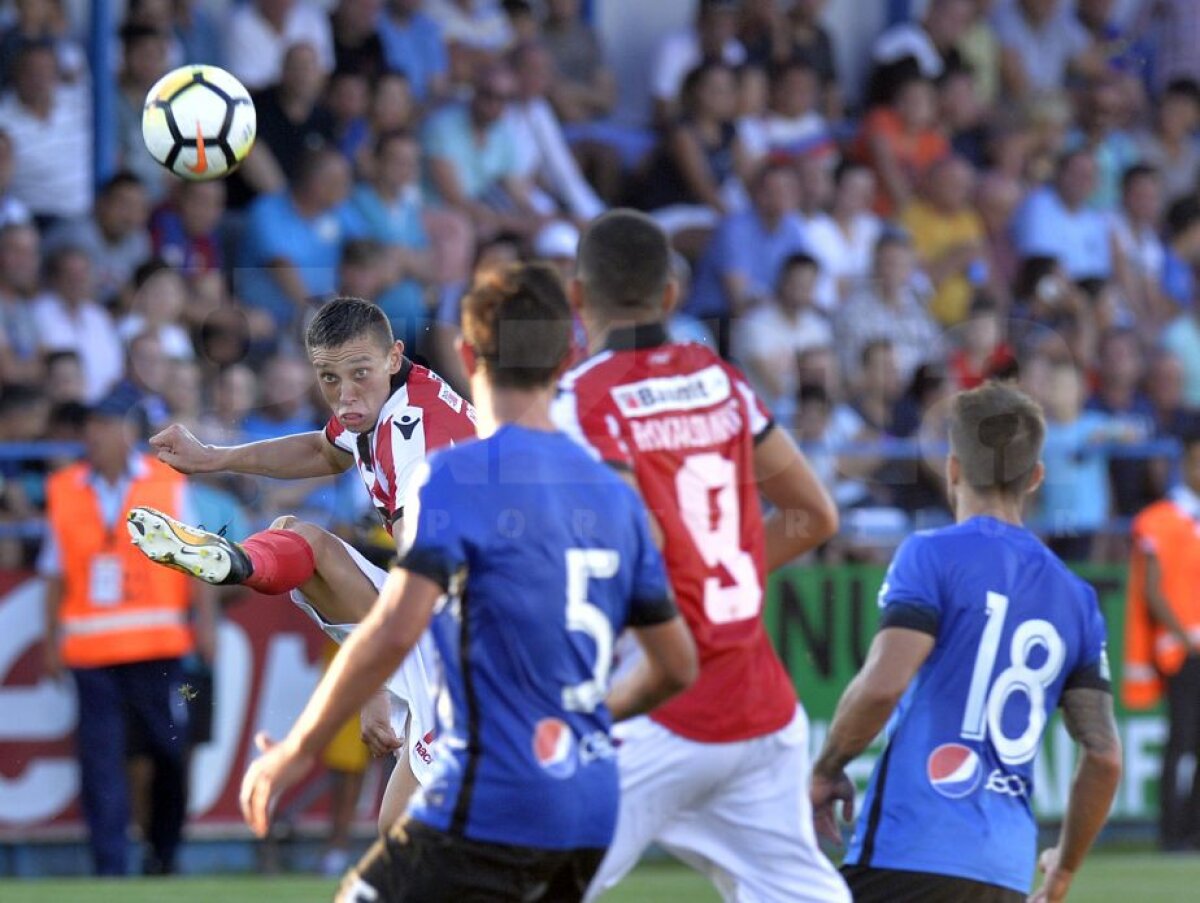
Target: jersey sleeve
x=433 y=542
x=338 y=436
x=652 y=601
x=1091 y=670
x=910 y=597
x=594 y=424
x=759 y=415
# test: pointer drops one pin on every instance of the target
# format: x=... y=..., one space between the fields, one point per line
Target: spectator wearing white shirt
x=926 y=48
x=769 y=340
x=20 y=361
x=68 y=319
x=1138 y=251
x=844 y=242
x=1041 y=43
x=261 y=31
x=793 y=128
x=50 y=125
x=543 y=156
x=713 y=37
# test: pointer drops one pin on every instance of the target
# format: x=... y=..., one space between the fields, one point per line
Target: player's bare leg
x=400 y=788
x=338 y=589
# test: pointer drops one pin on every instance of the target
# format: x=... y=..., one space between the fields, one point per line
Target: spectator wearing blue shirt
x=742 y=263
x=412 y=44
x=392 y=212
x=1181 y=251
x=1113 y=148
x=1056 y=221
x=472 y=159
x=293 y=240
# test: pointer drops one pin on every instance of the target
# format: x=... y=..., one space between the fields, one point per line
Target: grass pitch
x=1107 y=878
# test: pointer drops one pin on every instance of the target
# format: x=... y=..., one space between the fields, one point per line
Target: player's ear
x=575 y=294
x=466 y=354
x=670 y=296
x=395 y=356
x=1039 y=474
x=953 y=469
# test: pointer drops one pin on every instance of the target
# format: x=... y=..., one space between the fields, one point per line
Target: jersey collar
x=400 y=377
x=636 y=337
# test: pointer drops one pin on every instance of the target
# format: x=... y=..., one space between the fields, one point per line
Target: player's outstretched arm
x=668 y=666
x=295 y=457
x=1088 y=716
x=864 y=709
x=374 y=650
x=805 y=515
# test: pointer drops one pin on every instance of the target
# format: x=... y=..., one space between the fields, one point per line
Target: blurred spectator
x=126 y=665
x=1171 y=146
x=183 y=393
x=543 y=155
x=810 y=41
x=1178 y=45
x=1164 y=390
x=184 y=231
x=68 y=318
x=292 y=122
x=472 y=159
x=475 y=25
x=741 y=266
x=348 y=99
x=698 y=172
x=584 y=88
x=390 y=109
x=145 y=375
x=1046 y=124
x=996 y=199
x=64 y=377
x=866 y=416
x=763 y=32
x=769 y=340
x=224 y=337
x=557 y=244
x=523 y=20
x=157 y=16
x=924 y=49
x=1042 y=44
x=144 y=62
x=1100 y=132
x=115 y=236
x=235 y=394
x=1056 y=220
x=19 y=284
x=197 y=32
x=793 y=127
x=363 y=273
x=49 y=123
x=41 y=21
x=916 y=485
x=1075 y=500
x=1182 y=339
x=900 y=141
x=963 y=117
x=844 y=243
x=293 y=240
x=285 y=408
x=888 y=307
x=947 y=236
x=413 y=44
x=712 y=39
x=159 y=297
x=1181 y=253
x=392 y=211
x=981 y=53
x=12 y=210
x=982 y=351
x=1138 y=252
x=357 y=45
x=262 y=31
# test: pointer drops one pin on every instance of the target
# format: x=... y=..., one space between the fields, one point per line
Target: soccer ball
x=199 y=122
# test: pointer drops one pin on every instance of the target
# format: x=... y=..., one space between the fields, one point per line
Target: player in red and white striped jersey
x=388 y=414
x=719 y=774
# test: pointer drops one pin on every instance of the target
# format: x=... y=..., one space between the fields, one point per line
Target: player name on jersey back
x=685 y=423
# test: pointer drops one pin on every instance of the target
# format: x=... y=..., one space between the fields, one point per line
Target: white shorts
x=737 y=812
x=412 y=688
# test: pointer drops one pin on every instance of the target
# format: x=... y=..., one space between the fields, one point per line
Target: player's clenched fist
x=376 y=726
x=270 y=776
x=177 y=447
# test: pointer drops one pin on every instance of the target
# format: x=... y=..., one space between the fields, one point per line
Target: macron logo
x=407 y=424
x=658 y=395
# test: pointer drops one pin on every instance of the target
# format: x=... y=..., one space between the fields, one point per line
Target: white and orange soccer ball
x=199 y=122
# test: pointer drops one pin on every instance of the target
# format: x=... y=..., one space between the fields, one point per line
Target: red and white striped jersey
x=422 y=415
x=685 y=423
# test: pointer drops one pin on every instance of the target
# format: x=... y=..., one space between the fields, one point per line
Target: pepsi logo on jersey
x=554 y=747
x=954 y=770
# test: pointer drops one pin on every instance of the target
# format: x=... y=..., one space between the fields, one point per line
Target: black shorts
x=875 y=885
x=415 y=863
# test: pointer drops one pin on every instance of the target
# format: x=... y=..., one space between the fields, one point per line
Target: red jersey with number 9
x=685 y=423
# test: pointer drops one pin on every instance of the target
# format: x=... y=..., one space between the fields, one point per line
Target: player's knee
x=284 y=522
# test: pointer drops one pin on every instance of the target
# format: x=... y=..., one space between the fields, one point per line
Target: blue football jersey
x=1014 y=629
x=546 y=555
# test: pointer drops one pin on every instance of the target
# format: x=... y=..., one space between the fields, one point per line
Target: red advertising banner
x=269 y=659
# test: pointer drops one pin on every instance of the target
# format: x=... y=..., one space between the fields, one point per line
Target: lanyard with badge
x=106 y=574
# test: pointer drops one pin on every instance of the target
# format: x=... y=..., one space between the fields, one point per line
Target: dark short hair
x=122 y=179
x=799 y=259
x=345 y=319
x=1135 y=172
x=1181 y=216
x=54 y=358
x=624 y=262
x=517 y=321
x=869 y=349
x=1183 y=87
x=386 y=138
x=362 y=252
x=996 y=432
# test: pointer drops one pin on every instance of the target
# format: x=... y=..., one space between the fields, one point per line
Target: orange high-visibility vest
x=144 y=612
x=1151 y=653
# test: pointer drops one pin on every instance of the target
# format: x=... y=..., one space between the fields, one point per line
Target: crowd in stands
x=1014 y=193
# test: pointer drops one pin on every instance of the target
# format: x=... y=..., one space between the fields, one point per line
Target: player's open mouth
x=350 y=421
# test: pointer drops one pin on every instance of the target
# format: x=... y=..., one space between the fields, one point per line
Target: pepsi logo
x=554 y=747
x=954 y=770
